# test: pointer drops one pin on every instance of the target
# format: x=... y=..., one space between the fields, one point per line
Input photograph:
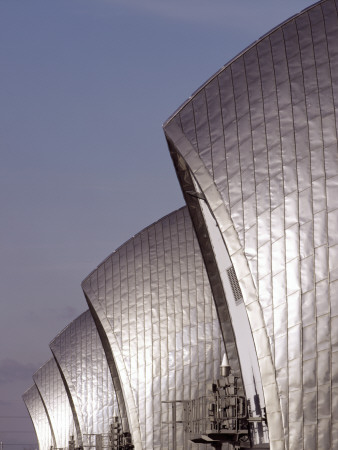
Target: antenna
x=225 y=367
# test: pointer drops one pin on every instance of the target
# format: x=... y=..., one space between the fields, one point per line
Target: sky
x=85 y=86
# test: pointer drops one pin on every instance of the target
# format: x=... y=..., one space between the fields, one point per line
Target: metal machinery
x=116 y=439
x=221 y=417
x=71 y=445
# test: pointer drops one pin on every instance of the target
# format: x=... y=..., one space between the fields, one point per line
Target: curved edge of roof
x=67 y=326
x=131 y=239
x=29 y=413
x=43 y=365
x=239 y=55
x=27 y=390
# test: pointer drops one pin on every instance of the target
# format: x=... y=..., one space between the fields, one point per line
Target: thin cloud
x=188 y=10
x=66 y=313
x=227 y=13
x=11 y=370
x=69 y=312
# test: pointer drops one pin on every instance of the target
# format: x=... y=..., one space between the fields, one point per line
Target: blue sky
x=85 y=87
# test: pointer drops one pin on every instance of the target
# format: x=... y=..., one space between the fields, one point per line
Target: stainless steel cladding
x=53 y=394
x=153 y=299
x=39 y=418
x=256 y=147
x=80 y=356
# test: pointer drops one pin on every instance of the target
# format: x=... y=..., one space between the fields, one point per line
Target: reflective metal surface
x=53 y=394
x=80 y=356
x=39 y=418
x=259 y=139
x=153 y=299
